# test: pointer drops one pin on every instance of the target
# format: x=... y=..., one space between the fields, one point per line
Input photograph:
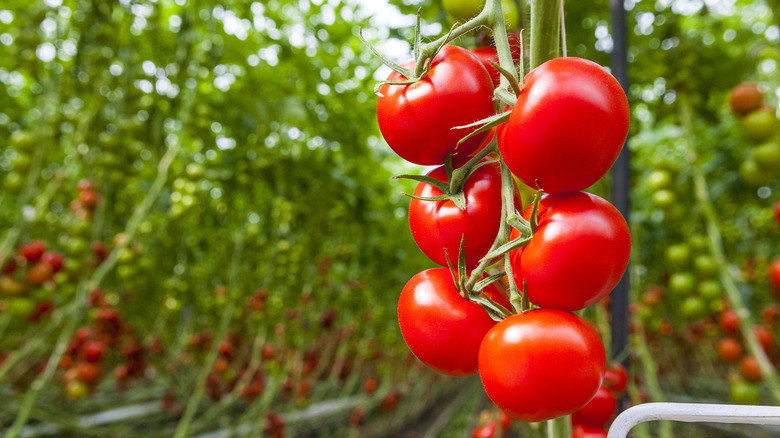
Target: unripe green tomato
x=126 y=255
x=663 y=198
x=716 y=305
x=758 y=125
x=125 y=271
x=659 y=179
x=20 y=306
x=75 y=245
x=767 y=155
x=22 y=140
x=511 y=15
x=462 y=9
x=678 y=254
x=694 y=307
x=13 y=181
x=710 y=289
x=21 y=161
x=76 y=390
x=705 y=264
x=682 y=283
x=744 y=393
x=698 y=242
x=753 y=174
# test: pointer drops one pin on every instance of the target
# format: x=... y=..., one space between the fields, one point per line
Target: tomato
x=753 y=174
x=9 y=286
x=759 y=125
x=94 y=351
x=582 y=431
x=664 y=198
x=682 y=283
x=729 y=350
x=488 y=430
x=729 y=321
x=598 y=411
x=54 y=259
x=777 y=217
x=705 y=264
x=40 y=273
x=616 y=377
x=750 y=370
x=659 y=179
x=765 y=337
x=438 y=225
x=774 y=272
x=32 y=250
x=567 y=127
x=678 y=254
x=767 y=155
x=416 y=120
x=694 y=307
x=558 y=264
x=710 y=289
x=745 y=98
x=462 y=9
x=443 y=329
x=88 y=372
x=541 y=364
x=76 y=390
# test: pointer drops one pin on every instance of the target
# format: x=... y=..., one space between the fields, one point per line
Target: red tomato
x=598 y=411
x=616 y=377
x=567 y=127
x=94 y=351
x=416 y=120
x=745 y=98
x=774 y=273
x=486 y=431
x=765 y=337
x=54 y=259
x=32 y=250
x=40 y=273
x=487 y=54
x=750 y=370
x=439 y=225
x=581 y=431
x=729 y=350
x=441 y=328
x=578 y=253
x=541 y=364
x=729 y=321
x=777 y=212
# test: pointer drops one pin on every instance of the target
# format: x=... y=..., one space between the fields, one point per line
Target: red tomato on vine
x=417 y=120
x=439 y=225
x=577 y=254
x=567 y=127
x=541 y=364
x=443 y=329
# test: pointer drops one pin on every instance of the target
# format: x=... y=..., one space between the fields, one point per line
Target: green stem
x=650 y=376
x=545 y=15
x=559 y=427
x=716 y=247
x=505 y=60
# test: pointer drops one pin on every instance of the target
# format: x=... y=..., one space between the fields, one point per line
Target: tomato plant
x=558 y=264
x=541 y=364
x=417 y=120
x=443 y=329
x=439 y=225
x=567 y=127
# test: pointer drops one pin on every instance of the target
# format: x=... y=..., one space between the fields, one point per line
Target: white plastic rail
x=692 y=413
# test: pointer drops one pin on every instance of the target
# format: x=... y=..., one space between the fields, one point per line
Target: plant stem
x=727 y=278
x=544 y=31
x=650 y=376
x=559 y=427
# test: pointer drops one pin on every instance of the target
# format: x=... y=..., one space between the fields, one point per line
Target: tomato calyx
x=452 y=191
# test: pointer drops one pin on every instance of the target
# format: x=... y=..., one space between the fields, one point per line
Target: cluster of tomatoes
x=759 y=125
x=87 y=353
x=564 y=132
x=591 y=420
x=27 y=278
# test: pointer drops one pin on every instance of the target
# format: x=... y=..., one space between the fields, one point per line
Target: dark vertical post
x=621 y=171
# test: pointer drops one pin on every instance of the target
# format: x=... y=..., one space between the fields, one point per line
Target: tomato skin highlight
x=443 y=329
x=567 y=127
x=416 y=120
x=439 y=225
x=578 y=253
x=541 y=364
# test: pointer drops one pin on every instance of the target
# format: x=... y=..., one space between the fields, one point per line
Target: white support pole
x=692 y=413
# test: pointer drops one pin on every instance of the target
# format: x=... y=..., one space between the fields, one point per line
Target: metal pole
x=621 y=172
